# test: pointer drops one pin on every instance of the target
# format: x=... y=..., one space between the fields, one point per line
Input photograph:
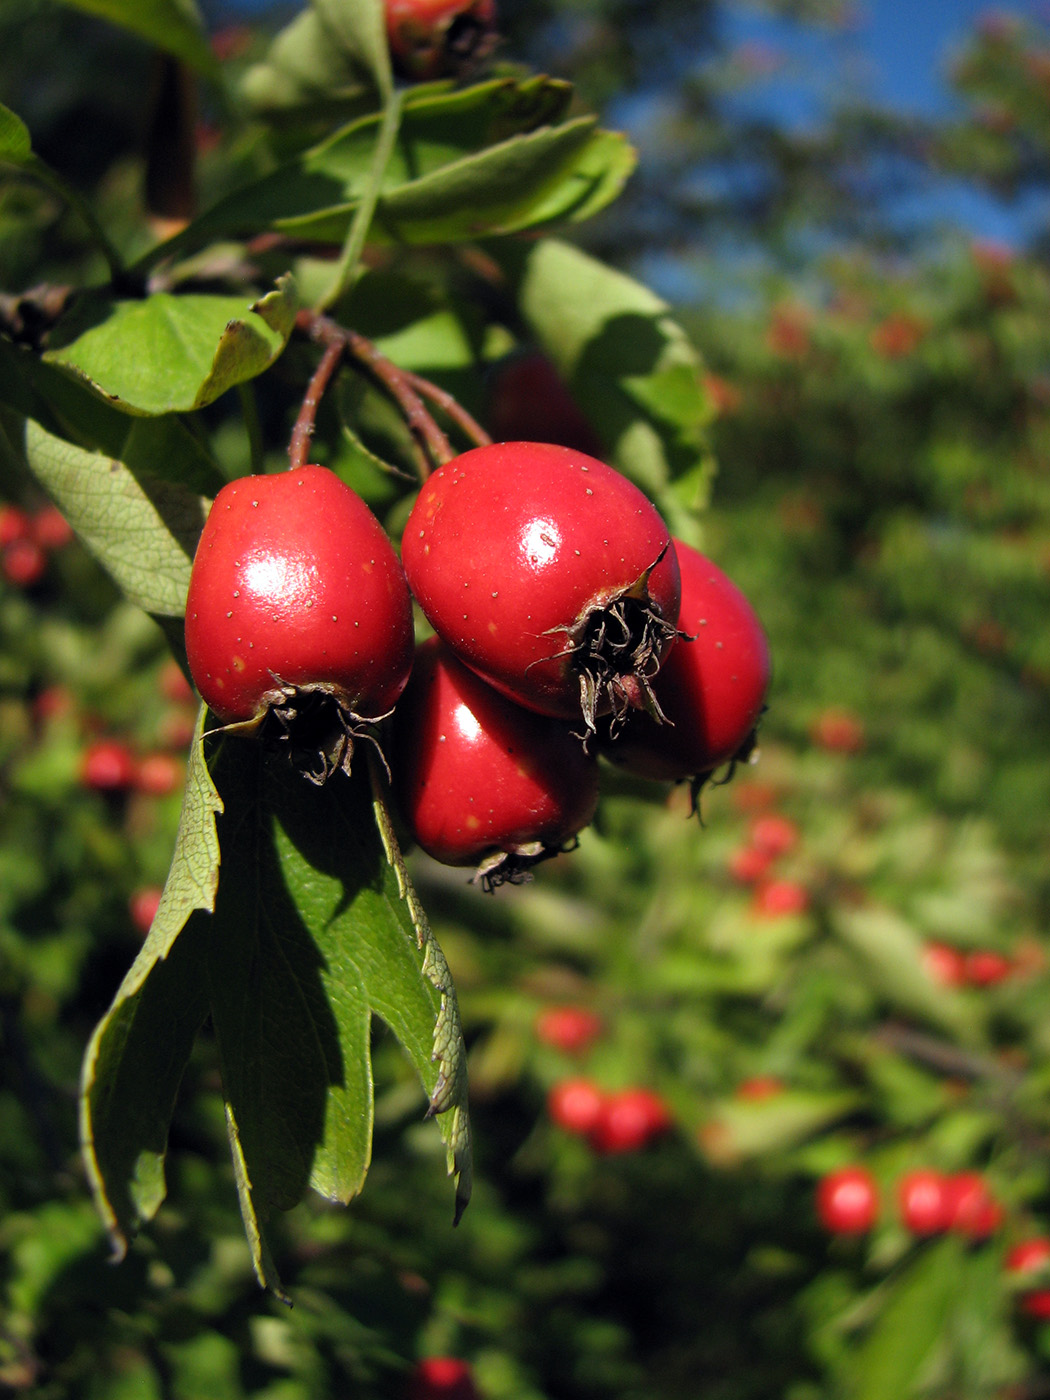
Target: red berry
x=628 y=1120
x=972 y=1209
x=441 y=1378
x=1029 y=1257
x=432 y=38
x=23 y=563
x=778 y=899
x=172 y=683
x=944 y=964
x=711 y=689
x=296 y=594
x=548 y=573
x=158 y=774
x=759 y=1088
x=984 y=968
x=748 y=866
x=530 y=401
x=569 y=1028
x=774 y=834
x=478 y=778
x=143 y=906
x=50 y=528
x=847 y=1201
x=924 y=1201
x=14 y=525
x=107 y=765
x=575 y=1105
x=838 y=731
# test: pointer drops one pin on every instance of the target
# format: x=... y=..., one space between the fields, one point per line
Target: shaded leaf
x=492 y=158
x=143 y=530
x=891 y=1358
x=15 y=144
x=170 y=354
x=628 y=364
x=331 y=56
x=173 y=25
x=137 y=1054
x=312 y=936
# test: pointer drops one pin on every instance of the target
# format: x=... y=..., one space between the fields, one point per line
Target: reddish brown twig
x=408 y=390
x=299 y=447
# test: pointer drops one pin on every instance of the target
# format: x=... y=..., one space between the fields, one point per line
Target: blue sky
x=897 y=52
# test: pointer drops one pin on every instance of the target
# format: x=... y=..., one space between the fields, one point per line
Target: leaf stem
x=303 y=431
x=250 y=413
x=408 y=391
x=51 y=180
x=350 y=256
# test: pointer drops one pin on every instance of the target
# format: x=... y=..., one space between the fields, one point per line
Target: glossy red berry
x=779 y=899
x=628 y=1120
x=944 y=964
x=529 y=401
x=50 y=528
x=433 y=38
x=296 y=594
x=748 y=866
x=480 y=780
x=838 y=731
x=23 y=563
x=774 y=834
x=572 y=1029
x=442 y=1378
x=158 y=774
x=711 y=689
x=924 y=1202
x=575 y=1105
x=972 y=1208
x=107 y=765
x=985 y=967
x=143 y=906
x=847 y=1201
x=15 y=524
x=548 y=573
x=1029 y=1257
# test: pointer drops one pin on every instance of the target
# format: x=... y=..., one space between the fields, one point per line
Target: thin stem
x=55 y=183
x=303 y=431
x=450 y=406
x=358 y=232
x=398 y=384
x=252 y=426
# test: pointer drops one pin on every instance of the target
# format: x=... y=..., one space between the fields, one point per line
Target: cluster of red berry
x=928 y=1202
x=975 y=967
x=623 y=1120
x=26 y=540
x=771 y=837
x=931 y=1203
x=567 y=625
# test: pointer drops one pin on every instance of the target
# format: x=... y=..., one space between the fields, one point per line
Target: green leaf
x=173 y=25
x=142 y=529
x=493 y=158
x=162 y=447
x=331 y=56
x=628 y=364
x=137 y=1054
x=741 y=1129
x=312 y=936
x=891 y=952
x=891 y=1358
x=15 y=144
x=170 y=354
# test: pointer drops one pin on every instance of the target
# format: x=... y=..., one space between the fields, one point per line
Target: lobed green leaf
x=170 y=354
